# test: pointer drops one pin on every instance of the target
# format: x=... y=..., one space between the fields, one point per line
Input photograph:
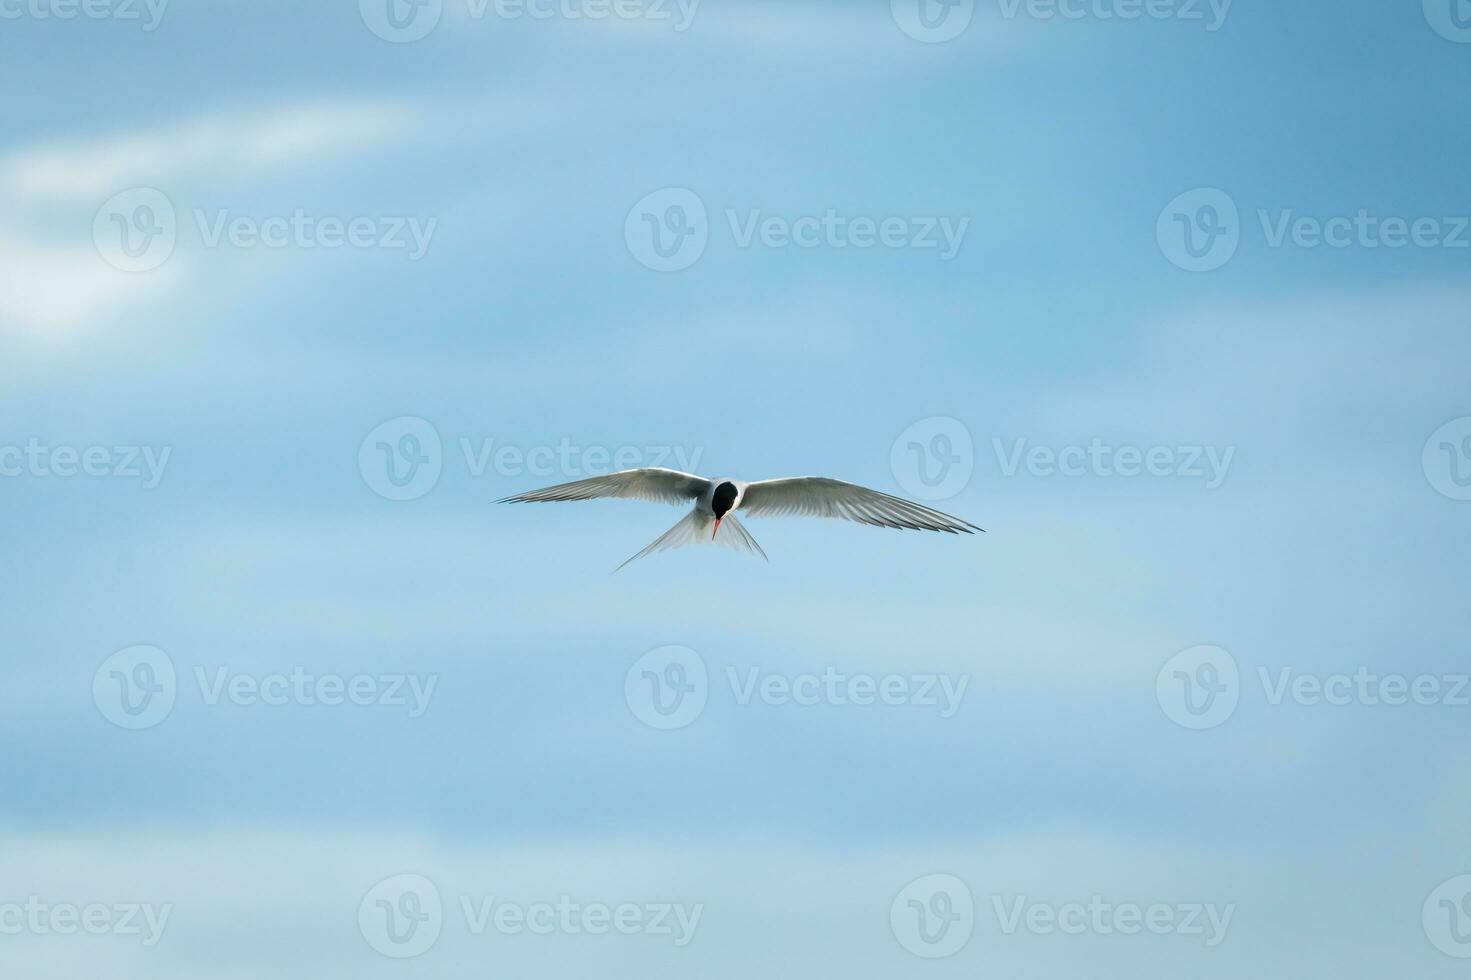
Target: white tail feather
x=733 y=534
x=699 y=528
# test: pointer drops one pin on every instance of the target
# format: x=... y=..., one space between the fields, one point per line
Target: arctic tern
x=715 y=502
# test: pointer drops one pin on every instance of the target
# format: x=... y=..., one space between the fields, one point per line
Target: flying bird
x=715 y=503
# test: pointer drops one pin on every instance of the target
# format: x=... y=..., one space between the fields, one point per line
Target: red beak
x=717 y=528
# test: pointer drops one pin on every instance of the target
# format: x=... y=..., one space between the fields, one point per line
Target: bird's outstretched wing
x=818 y=496
x=650 y=483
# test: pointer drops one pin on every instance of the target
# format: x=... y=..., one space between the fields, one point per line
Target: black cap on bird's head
x=721 y=501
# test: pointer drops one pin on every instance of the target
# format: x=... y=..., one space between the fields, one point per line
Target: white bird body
x=715 y=502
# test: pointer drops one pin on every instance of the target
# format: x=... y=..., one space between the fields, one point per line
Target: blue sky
x=1327 y=383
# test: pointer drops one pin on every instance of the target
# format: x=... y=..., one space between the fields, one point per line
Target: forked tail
x=697 y=528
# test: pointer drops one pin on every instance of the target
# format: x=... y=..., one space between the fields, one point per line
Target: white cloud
x=50 y=287
x=49 y=193
x=241 y=144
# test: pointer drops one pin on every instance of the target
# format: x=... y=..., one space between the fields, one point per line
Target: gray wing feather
x=818 y=496
x=650 y=483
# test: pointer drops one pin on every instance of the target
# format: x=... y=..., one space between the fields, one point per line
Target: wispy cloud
x=240 y=144
x=49 y=192
x=48 y=287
